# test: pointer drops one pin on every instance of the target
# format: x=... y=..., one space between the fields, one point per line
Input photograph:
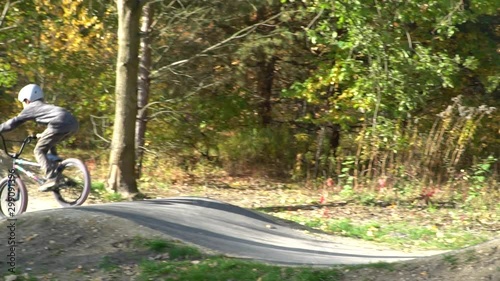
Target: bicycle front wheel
x=73 y=186
x=13 y=198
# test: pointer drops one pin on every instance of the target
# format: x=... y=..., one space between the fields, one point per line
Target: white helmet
x=31 y=92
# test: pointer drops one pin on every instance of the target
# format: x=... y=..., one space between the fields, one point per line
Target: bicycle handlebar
x=26 y=141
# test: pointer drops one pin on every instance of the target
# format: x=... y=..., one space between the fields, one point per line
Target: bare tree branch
x=448 y=18
x=410 y=42
x=6 y=8
x=237 y=35
x=154 y=115
x=94 y=127
x=7 y=28
x=315 y=19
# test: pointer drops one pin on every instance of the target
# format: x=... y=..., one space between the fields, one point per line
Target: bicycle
x=72 y=188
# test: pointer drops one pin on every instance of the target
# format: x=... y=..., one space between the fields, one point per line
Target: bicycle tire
x=6 y=209
x=74 y=183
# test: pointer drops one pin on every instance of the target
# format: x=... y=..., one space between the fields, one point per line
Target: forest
x=363 y=94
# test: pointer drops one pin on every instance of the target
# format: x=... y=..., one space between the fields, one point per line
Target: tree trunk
x=143 y=85
x=265 y=67
x=319 y=151
x=122 y=176
x=265 y=81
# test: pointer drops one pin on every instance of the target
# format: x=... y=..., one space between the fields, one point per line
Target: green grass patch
x=107 y=264
x=451 y=260
x=98 y=187
x=398 y=234
x=223 y=269
x=376 y=265
x=471 y=256
x=157 y=245
x=175 y=250
x=113 y=197
x=188 y=263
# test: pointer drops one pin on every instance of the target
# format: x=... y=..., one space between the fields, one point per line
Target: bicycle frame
x=18 y=166
x=17 y=163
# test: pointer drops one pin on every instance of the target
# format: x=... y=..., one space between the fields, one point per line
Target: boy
x=60 y=125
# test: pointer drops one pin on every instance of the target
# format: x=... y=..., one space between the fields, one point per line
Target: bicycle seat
x=54 y=158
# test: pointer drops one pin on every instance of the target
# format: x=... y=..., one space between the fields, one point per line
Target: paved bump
x=242 y=233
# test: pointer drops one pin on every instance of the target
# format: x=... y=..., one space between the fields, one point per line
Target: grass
x=176 y=251
x=397 y=234
x=451 y=260
x=99 y=189
x=471 y=256
x=223 y=269
x=184 y=262
x=113 y=197
x=157 y=245
x=107 y=264
x=377 y=265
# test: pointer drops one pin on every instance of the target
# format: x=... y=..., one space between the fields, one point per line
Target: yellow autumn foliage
x=74 y=29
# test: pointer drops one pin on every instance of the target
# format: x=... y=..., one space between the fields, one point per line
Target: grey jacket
x=56 y=118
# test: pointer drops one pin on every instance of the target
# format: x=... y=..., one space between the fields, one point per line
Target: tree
x=122 y=175
x=384 y=64
x=68 y=50
x=7 y=76
x=143 y=85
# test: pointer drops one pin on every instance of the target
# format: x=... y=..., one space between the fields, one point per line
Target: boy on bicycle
x=60 y=125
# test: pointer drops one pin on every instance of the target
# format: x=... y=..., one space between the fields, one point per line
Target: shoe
x=48 y=185
x=54 y=157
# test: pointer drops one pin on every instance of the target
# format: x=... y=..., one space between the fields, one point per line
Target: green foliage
x=7 y=76
x=381 y=63
x=347 y=180
x=69 y=57
x=478 y=178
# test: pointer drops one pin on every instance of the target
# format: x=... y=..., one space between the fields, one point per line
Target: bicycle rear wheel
x=13 y=199
x=73 y=186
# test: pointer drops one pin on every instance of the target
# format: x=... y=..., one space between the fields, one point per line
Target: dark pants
x=46 y=143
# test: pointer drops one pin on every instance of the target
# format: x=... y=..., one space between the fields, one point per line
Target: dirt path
x=38 y=201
